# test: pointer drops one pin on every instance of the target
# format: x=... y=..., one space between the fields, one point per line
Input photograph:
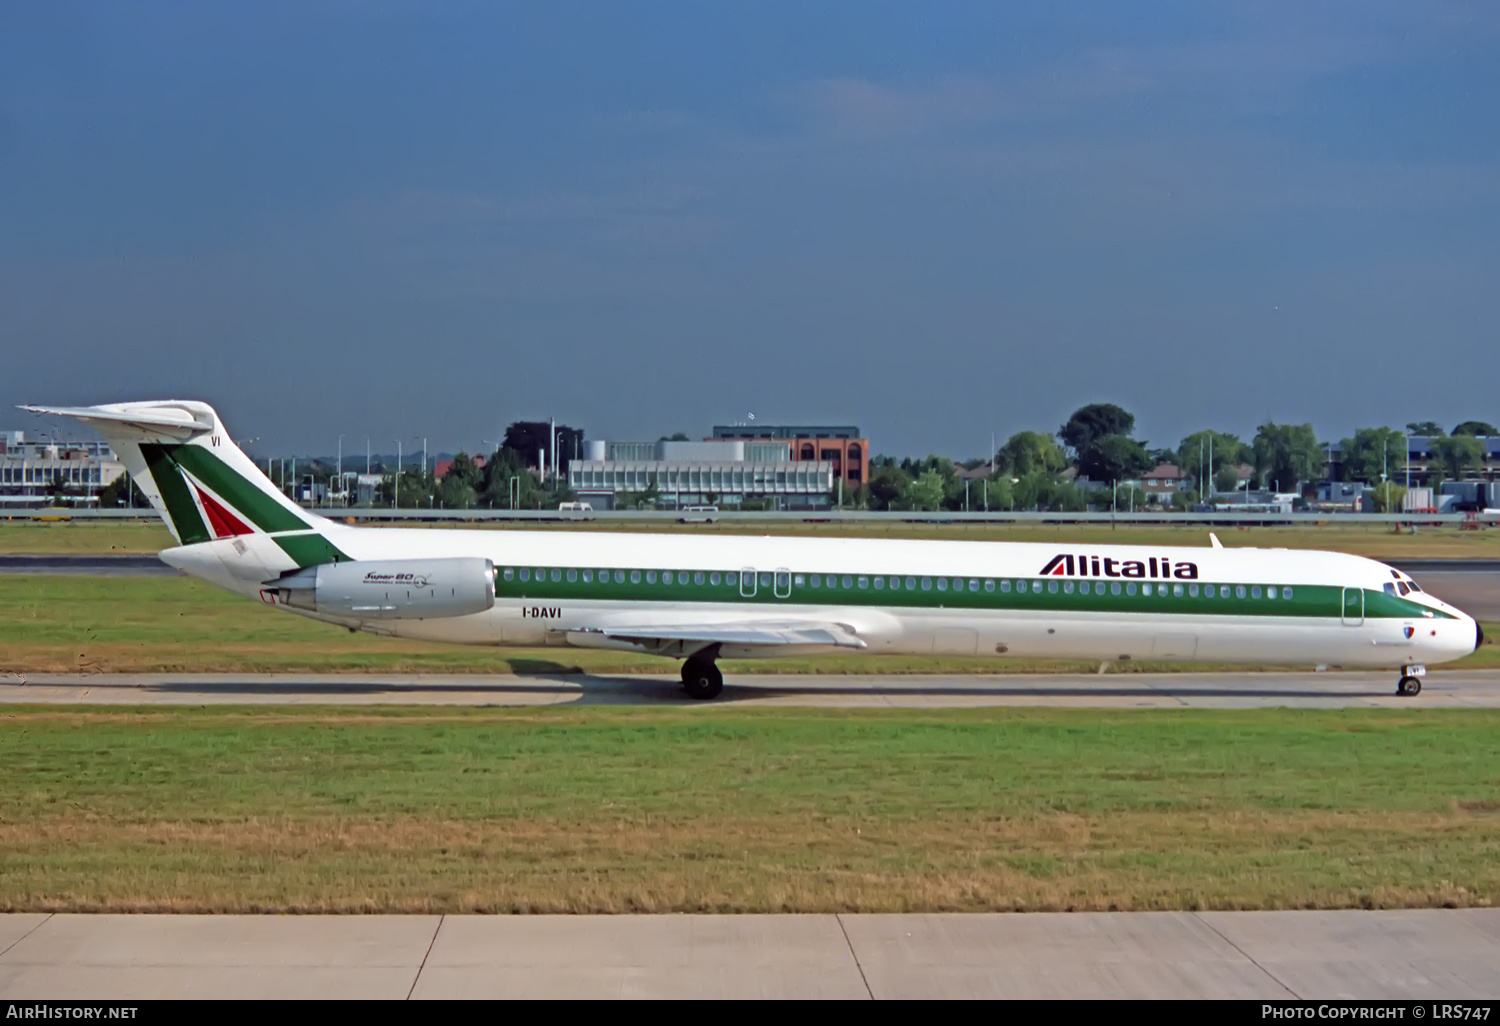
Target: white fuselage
x=996 y=599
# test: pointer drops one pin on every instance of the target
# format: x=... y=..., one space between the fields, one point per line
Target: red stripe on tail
x=224 y=523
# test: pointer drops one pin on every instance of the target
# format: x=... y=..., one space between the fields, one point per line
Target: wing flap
x=734 y=633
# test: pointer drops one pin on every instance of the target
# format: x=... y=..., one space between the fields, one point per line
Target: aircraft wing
x=745 y=632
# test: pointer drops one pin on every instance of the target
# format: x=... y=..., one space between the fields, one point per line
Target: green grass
x=1374 y=540
x=62 y=624
x=725 y=809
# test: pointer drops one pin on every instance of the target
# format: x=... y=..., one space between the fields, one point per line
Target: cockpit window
x=1414 y=586
x=1405 y=588
x=1390 y=589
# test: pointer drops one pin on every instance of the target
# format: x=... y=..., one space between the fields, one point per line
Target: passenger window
x=1052 y=587
x=698 y=577
x=525 y=574
x=635 y=577
x=556 y=575
x=541 y=575
x=1145 y=589
x=1005 y=586
x=1239 y=591
x=911 y=584
x=1193 y=590
x=588 y=576
x=619 y=576
x=682 y=577
x=895 y=584
x=714 y=578
x=509 y=573
x=733 y=580
x=1177 y=590
x=942 y=583
x=650 y=576
x=1270 y=593
x=1130 y=589
x=1286 y=593
x=973 y=585
x=797 y=580
x=927 y=584
x=864 y=582
x=1255 y=592
x=1036 y=587
x=833 y=582
x=816 y=581
x=989 y=585
x=847 y=582
x=1224 y=591
x=572 y=576
x=879 y=583
x=1067 y=587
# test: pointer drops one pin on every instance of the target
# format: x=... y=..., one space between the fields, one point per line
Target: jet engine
x=395 y=589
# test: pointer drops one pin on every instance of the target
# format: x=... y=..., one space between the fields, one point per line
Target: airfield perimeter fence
x=1247 y=518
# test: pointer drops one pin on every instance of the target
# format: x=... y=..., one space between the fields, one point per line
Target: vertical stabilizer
x=202 y=484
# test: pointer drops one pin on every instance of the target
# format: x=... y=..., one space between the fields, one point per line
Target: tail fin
x=204 y=487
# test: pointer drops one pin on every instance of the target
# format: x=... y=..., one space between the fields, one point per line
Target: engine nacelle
x=391 y=589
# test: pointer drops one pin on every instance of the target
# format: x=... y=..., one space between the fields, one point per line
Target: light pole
x=396 y=492
x=341 y=468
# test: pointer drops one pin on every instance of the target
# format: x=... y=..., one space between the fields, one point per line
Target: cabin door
x=747 y=582
x=1354 y=607
x=783 y=583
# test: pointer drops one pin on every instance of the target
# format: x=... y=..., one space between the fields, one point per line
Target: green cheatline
x=309 y=549
x=639 y=585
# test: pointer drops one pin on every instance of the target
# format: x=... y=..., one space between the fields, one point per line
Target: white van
x=575 y=507
x=697 y=514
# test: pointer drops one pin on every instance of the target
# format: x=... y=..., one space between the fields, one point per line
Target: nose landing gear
x=1410 y=684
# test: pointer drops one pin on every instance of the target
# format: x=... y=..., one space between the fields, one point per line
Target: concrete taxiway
x=1442 y=688
x=1395 y=955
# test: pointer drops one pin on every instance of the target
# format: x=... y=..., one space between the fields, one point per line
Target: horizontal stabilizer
x=152 y=418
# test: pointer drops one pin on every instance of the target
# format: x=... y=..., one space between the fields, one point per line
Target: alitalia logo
x=1106 y=566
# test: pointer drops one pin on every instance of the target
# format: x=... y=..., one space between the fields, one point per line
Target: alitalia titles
x=1106 y=566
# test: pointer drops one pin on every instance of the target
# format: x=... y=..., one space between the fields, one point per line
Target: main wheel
x=702 y=680
x=1409 y=686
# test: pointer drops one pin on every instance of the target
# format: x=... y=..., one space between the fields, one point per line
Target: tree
x=1227 y=479
x=122 y=492
x=1424 y=428
x=998 y=493
x=1027 y=452
x=1475 y=427
x=676 y=437
x=58 y=486
x=495 y=490
x=1372 y=452
x=1113 y=458
x=459 y=488
x=1388 y=496
x=887 y=486
x=925 y=492
x=1093 y=422
x=527 y=438
x=1287 y=454
x=1214 y=450
x=1455 y=455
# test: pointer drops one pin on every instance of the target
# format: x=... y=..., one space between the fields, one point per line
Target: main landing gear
x=1410 y=684
x=701 y=677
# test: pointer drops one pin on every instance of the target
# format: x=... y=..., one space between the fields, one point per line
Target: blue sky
x=938 y=221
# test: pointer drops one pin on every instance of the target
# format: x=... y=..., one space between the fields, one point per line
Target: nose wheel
x=701 y=679
x=1410 y=684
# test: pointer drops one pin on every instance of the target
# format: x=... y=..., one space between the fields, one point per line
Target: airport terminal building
x=34 y=471
x=716 y=472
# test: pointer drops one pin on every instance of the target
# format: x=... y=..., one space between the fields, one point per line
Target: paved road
x=1394 y=955
x=93 y=565
x=1454 y=688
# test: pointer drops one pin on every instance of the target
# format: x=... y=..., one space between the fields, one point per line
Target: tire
x=702 y=681
x=1409 y=686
